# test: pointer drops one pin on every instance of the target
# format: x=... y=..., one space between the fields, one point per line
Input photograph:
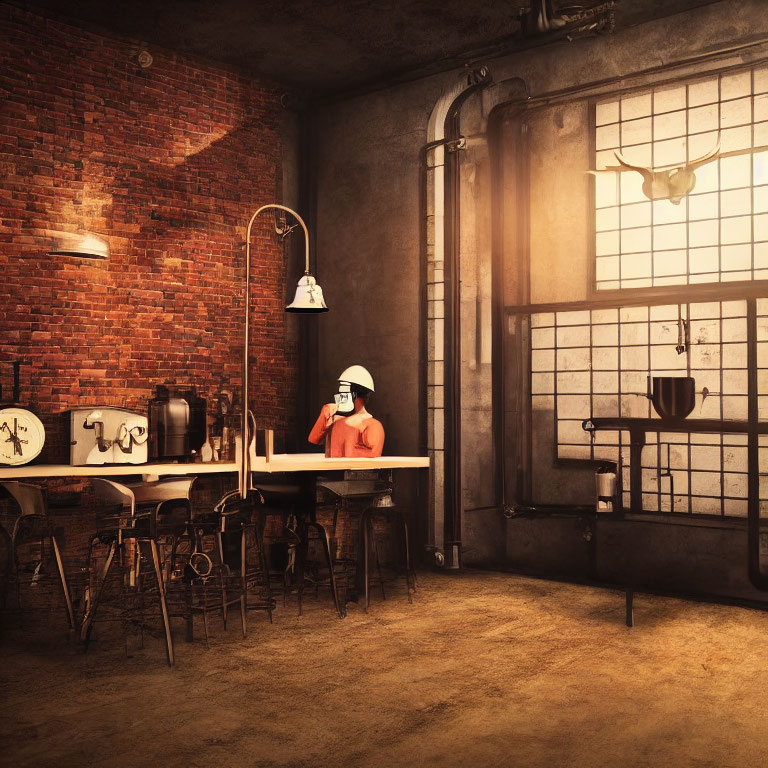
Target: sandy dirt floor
x=484 y=669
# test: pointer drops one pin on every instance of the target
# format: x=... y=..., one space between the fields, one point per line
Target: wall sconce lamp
x=308 y=300
x=80 y=244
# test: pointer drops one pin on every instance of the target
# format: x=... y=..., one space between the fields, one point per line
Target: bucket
x=605 y=483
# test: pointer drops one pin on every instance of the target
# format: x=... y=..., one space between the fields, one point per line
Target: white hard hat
x=356 y=374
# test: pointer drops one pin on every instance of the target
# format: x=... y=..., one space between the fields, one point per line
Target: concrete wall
x=368 y=249
x=368 y=239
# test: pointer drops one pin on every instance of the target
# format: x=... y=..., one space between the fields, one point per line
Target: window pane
x=607 y=136
x=636 y=131
x=669 y=125
x=760 y=107
x=665 y=224
x=735 y=139
x=636 y=215
x=735 y=203
x=670 y=263
x=634 y=240
x=635 y=106
x=607 y=268
x=703 y=233
x=607 y=243
x=735 y=257
x=703 y=92
x=606 y=190
x=701 y=260
x=704 y=118
x=607 y=112
x=736 y=230
x=735 y=84
x=760 y=168
x=760 y=78
x=738 y=112
x=669 y=99
x=669 y=236
x=631 y=185
x=761 y=227
x=670 y=152
x=735 y=171
x=635 y=265
x=607 y=218
x=704 y=206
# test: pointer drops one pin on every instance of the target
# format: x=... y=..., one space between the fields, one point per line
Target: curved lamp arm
x=245 y=458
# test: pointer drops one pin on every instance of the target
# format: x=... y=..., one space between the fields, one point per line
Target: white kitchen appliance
x=107 y=435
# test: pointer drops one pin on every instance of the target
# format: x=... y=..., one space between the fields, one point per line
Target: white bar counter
x=280 y=462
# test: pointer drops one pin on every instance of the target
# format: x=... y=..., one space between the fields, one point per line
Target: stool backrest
x=164 y=489
x=108 y=493
x=29 y=497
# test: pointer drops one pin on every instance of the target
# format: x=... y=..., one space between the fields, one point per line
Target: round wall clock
x=22 y=436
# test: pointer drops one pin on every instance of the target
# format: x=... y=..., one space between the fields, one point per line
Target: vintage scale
x=22 y=434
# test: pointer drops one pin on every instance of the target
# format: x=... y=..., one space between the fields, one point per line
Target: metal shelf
x=637 y=424
x=638 y=427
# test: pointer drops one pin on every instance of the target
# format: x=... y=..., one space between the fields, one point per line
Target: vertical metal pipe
x=498 y=398
x=452 y=353
x=757 y=578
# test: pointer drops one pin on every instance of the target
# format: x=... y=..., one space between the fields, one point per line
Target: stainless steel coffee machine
x=177 y=424
x=107 y=435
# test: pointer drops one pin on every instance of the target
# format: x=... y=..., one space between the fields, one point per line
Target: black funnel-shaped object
x=673 y=397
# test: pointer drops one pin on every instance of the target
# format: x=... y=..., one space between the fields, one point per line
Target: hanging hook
x=683 y=332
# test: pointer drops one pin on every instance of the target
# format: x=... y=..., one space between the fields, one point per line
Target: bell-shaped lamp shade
x=308 y=298
x=83 y=244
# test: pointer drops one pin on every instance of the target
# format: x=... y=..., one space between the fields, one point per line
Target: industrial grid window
x=595 y=363
x=719 y=232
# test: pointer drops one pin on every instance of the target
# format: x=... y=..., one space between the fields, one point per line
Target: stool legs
x=163 y=606
x=94 y=595
x=326 y=544
x=244 y=579
x=87 y=624
x=13 y=555
x=67 y=596
x=408 y=570
x=368 y=537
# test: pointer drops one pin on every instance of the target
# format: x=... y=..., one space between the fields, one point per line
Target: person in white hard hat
x=345 y=425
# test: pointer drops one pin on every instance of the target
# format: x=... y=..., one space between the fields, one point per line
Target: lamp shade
x=82 y=244
x=308 y=298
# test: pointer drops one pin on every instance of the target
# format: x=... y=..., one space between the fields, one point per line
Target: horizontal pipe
x=534 y=510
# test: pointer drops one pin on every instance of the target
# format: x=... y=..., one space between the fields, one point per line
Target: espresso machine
x=177 y=424
x=107 y=435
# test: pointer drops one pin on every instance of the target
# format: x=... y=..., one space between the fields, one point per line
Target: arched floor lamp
x=308 y=300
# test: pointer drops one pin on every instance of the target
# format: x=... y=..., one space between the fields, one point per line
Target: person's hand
x=329 y=411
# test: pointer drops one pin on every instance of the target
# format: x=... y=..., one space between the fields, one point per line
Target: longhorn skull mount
x=672 y=182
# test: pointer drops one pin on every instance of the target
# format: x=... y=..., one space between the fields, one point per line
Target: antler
x=707 y=157
x=646 y=172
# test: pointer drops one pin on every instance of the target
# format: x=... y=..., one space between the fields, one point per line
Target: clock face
x=22 y=436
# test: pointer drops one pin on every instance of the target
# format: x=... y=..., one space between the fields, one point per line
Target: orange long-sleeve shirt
x=366 y=441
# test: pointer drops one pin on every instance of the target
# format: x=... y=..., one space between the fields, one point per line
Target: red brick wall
x=168 y=163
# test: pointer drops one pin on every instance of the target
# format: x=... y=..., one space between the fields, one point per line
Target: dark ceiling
x=324 y=47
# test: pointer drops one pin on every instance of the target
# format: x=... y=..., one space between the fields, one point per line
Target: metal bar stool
x=227 y=566
x=130 y=541
x=236 y=524
x=293 y=500
x=34 y=522
x=354 y=494
x=396 y=517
